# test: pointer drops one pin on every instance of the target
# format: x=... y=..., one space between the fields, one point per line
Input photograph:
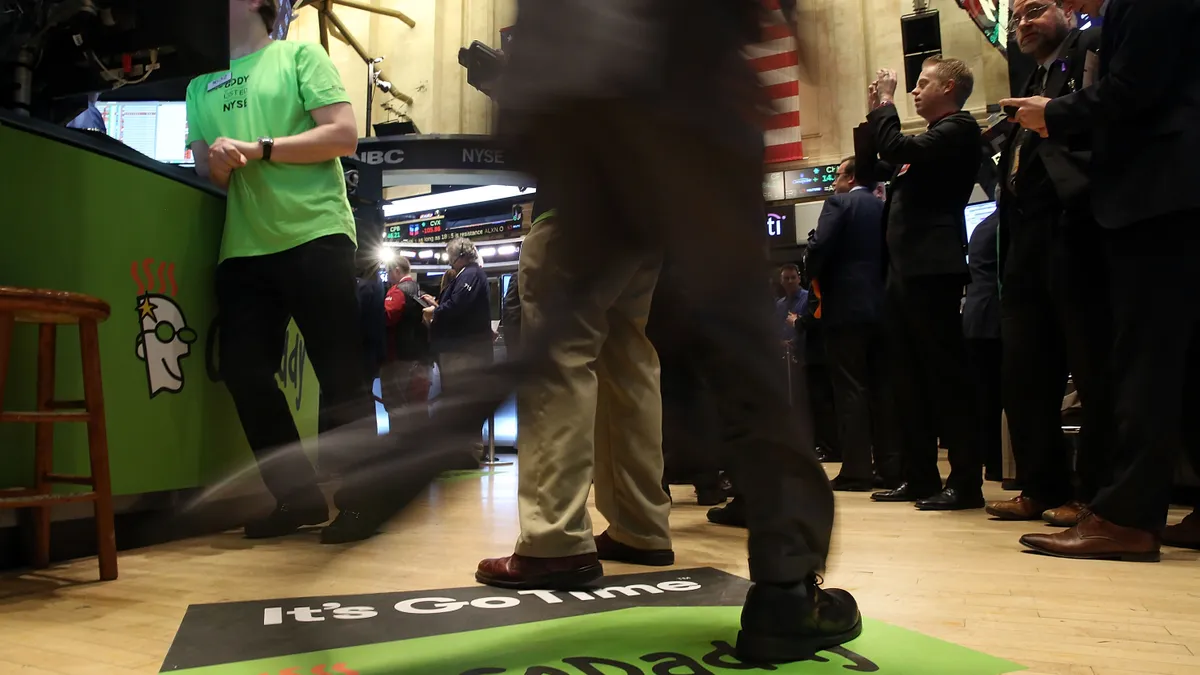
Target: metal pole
x=492 y=444
x=370 y=93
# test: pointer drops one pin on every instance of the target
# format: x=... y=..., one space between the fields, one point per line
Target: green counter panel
x=78 y=221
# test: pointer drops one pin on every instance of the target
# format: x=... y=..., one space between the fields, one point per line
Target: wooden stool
x=49 y=309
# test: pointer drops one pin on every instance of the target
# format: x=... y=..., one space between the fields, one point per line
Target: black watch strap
x=267 y=145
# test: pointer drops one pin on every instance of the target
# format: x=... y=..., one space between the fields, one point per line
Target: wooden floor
x=954 y=576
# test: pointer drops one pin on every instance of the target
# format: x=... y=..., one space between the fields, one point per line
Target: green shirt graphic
x=272 y=206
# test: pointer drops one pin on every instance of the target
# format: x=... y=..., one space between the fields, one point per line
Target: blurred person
x=691 y=433
x=932 y=176
x=646 y=158
x=406 y=375
x=1140 y=110
x=1056 y=314
x=845 y=259
x=287 y=252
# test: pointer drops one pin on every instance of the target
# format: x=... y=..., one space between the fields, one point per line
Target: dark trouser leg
x=320 y=294
x=849 y=370
x=254 y=320
x=985 y=358
x=1079 y=284
x=822 y=405
x=885 y=424
x=1153 y=265
x=705 y=202
x=939 y=337
x=909 y=391
x=1035 y=375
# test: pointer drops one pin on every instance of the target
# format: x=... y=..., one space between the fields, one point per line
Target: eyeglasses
x=165 y=333
x=1030 y=14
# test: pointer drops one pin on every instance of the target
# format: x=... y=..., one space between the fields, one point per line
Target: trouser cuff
x=785 y=570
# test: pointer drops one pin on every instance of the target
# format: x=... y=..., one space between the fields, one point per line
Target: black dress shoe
x=828 y=456
x=710 y=496
x=843 y=484
x=732 y=514
x=793 y=623
x=350 y=526
x=904 y=493
x=286 y=519
x=952 y=499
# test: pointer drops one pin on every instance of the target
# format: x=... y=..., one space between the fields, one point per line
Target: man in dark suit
x=845 y=257
x=926 y=239
x=1141 y=112
x=1056 y=316
x=981 y=328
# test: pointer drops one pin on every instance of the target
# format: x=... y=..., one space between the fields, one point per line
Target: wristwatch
x=267 y=144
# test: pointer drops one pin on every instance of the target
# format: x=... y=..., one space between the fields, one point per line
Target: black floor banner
x=681 y=622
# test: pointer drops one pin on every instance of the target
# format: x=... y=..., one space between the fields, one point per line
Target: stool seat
x=49 y=310
x=32 y=305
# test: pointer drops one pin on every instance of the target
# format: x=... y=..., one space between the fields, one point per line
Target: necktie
x=1037 y=87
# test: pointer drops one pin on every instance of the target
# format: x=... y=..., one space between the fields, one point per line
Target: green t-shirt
x=273 y=206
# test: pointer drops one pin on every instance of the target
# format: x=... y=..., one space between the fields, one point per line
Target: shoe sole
x=753 y=648
x=1010 y=517
x=558 y=581
x=940 y=507
x=650 y=560
x=1153 y=557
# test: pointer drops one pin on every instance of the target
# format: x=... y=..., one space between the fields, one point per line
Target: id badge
x=220 y=80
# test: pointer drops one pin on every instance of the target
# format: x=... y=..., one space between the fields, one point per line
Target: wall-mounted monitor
x=157 y=129
x=773 y=186
x=810 y=182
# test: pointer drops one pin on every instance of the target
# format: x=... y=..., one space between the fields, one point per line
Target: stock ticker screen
x=813 y=181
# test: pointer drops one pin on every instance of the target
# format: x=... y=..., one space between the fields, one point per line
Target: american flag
x=777 y=63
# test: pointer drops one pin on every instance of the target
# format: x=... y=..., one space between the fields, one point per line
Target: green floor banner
x=681 y=622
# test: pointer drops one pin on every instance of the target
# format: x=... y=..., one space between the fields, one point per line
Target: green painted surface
x=658 y=640
x=78 y=221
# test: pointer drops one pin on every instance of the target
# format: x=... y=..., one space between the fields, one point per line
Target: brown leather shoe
x=523 y=572
x=1017 y=508
x=1067 y=515
x=1094 y=538
x=610 y=549
x=1186 y=534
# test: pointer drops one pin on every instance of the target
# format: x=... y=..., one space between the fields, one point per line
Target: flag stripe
x=783 y=120
x=782 y=89
x=775 y=61
x=784 y=153
x=777 y=31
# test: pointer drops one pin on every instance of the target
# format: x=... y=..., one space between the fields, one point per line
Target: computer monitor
x=157 y=129
x=976 y=214
x=71 y=48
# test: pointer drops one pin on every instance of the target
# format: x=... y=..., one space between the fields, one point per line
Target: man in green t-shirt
x=270 y=130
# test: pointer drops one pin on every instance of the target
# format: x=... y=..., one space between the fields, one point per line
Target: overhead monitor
x=157 y=129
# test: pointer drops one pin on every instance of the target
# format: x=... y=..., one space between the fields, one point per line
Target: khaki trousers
x=593 y=414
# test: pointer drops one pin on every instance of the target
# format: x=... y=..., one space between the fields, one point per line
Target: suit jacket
x=981 y=312
x=1141 y=112
x=845 y=256
x=1054 y=173
x=926 y=232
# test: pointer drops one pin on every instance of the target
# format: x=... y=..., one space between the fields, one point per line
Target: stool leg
x=93 y=396
x=44 y=442
x=6 y=329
